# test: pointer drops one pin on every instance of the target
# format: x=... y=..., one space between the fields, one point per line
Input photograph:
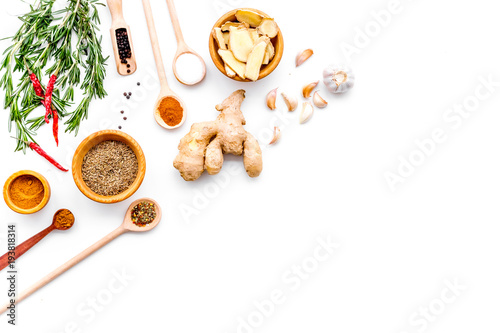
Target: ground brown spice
x=26 y=191
x=64 y=219
x=171 y=111
x=109 y=168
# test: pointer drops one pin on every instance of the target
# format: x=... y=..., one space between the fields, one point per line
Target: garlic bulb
x=338 y=78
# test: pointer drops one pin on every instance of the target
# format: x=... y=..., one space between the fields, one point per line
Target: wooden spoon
x=118 y=22
x=29 y=243
x=182 y=47
x=165 y=91
x=126 y=226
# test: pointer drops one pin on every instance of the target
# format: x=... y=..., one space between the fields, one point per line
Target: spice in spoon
x=143 y=213
x=171 y=111
x=64 y=219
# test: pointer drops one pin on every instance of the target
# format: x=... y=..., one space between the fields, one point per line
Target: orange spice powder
x=171 y=111
x=26 y=191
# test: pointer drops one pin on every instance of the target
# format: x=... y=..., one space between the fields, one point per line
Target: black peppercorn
x=124 y=118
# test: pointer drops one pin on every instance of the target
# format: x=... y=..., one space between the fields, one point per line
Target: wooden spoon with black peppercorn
x=63 y=220
x=166 y=94
x=127 y=225
x=121 y=40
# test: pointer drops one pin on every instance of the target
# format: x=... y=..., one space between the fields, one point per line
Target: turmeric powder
x=171 y=111
x=64 y=219
x=26 y=191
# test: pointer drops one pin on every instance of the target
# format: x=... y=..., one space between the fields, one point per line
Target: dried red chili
x=42 y=153
x=55 y=126
x=36 y=84
x=48 y=98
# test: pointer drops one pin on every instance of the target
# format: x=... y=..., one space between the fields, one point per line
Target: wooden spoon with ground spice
x=63 y=220
x=142 y=215
x=169 y=110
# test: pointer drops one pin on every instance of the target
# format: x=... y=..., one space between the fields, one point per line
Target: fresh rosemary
x=53 y=41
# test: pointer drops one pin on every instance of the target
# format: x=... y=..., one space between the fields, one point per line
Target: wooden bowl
x=95 y=139
x=265 y=70
x=8 y=199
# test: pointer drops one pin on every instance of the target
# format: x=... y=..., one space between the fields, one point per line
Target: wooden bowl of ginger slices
x=236 y=36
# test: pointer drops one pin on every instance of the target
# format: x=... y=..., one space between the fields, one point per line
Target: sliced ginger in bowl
x=245 y=45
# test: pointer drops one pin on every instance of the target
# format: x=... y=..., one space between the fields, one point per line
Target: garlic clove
x=308 y=88
x=319 y=101
x=271 y=99
x=276 y=135
x=306 y=113
x=303 y=56
x=290 y=101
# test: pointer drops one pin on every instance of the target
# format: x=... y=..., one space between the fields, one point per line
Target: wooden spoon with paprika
x=169 y=110
x=127 y=225
x=63 y=220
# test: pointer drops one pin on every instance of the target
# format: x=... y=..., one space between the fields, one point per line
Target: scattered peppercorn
x=119 y=127
x=124 y=94
x=124 y=118
x=122 y=112
x=128 y=70
x=128 y=97
x=130 y=94
x=138 y=83
x=128 y=65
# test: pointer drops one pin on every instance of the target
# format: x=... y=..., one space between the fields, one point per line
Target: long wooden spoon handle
x=175 y=22
x=25 y=246
x=154 y=43
x=63 y=268
x=115 y=8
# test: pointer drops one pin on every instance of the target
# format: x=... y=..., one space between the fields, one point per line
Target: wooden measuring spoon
x=29 y=243
x=118 y=22
x=165 y=91
x=126 y=226
x=182 y=47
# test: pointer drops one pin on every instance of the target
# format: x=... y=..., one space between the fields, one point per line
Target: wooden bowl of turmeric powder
x=26 y=192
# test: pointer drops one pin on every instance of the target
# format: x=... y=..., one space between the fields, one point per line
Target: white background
x=201 y=272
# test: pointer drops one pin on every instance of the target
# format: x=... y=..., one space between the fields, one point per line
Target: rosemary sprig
x=45 y=43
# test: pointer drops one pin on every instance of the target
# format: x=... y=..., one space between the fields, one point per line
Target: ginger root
x=203 y=147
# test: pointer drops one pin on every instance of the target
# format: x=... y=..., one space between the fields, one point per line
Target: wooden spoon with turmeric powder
x=169 y=110
x=63 y=220
x=142 y=215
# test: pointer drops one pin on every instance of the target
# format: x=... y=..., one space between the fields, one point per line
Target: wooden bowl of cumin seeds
x=108 y=166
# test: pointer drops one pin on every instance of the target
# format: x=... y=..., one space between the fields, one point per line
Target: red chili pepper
x=48 y=98
x=42 y=153
x=36 y=85
x=55 y=126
